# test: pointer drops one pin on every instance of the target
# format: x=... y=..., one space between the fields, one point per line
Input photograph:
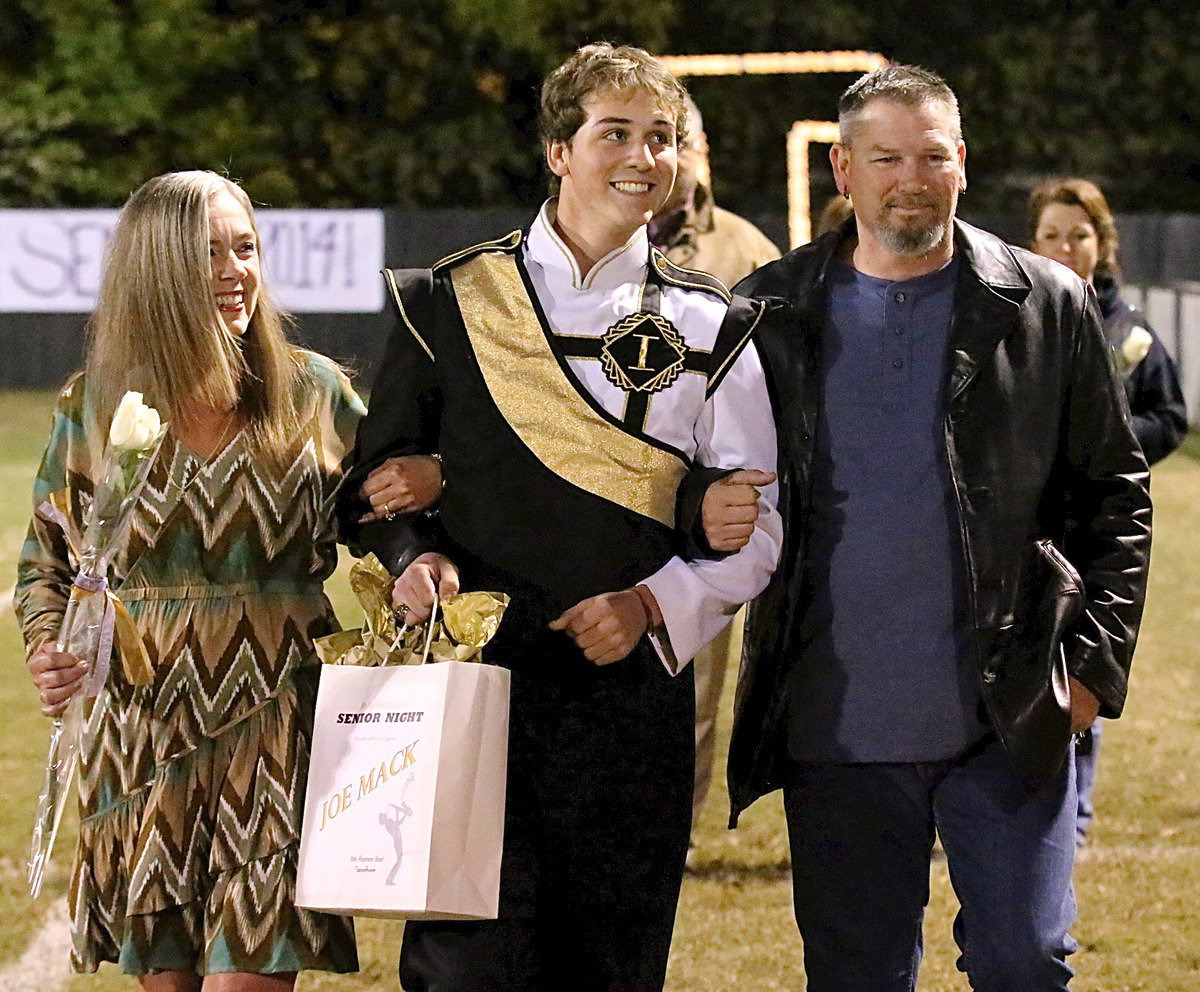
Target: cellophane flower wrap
x=95 y=621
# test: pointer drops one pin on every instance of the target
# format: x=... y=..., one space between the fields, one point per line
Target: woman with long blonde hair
x=191 y=786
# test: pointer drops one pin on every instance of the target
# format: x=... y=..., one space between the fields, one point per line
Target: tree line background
x=422 y=103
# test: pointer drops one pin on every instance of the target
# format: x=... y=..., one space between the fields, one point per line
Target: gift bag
x=404 y=815
x=404 y=809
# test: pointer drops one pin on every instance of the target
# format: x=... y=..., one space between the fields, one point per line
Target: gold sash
x=566 y=433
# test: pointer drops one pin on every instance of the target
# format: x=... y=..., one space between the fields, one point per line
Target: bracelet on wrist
x=645 y=597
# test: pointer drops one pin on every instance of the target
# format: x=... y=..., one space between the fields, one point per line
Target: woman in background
x=191 y=787
x=1070 y=222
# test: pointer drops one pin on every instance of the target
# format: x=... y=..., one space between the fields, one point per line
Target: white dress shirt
x=732 y=429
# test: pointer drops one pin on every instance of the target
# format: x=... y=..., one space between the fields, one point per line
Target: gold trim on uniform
x=390 y=276
x=716 y=375
x=544 y=408
x=707 y=281
x=506 y=243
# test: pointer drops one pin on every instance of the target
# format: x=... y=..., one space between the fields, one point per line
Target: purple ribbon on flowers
x=98 y=670
x=90 y=583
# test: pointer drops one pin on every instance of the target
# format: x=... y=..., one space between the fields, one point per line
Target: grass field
x=1138 y=882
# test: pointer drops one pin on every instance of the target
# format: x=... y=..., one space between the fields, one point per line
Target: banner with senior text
x=316 y=261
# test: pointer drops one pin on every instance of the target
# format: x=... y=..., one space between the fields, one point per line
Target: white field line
x=45 y=965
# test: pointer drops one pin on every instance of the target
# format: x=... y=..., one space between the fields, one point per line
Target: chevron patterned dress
x=191 y=788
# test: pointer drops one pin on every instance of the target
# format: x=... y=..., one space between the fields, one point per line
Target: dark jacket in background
x=1037 y=432
x=1152 y=387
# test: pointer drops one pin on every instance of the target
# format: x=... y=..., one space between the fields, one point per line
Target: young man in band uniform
x=569 y=377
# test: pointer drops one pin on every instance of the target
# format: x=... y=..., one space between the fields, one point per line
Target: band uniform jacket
x=468 y=375
x=552 y=497
x=1039 y=444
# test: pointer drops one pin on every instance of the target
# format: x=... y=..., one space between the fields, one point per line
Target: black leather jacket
x=1051 y=496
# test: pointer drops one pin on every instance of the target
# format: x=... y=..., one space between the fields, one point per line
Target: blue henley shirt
x=885 y=672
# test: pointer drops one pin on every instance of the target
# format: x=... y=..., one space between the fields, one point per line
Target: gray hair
x=907 y=84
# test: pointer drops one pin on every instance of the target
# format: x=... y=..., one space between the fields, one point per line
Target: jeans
x=1087 y=752
x=861 y=838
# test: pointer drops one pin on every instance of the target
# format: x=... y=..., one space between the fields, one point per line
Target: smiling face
x=1065 y=233
x=904 y=167
x=617 y=169
x=233 y=254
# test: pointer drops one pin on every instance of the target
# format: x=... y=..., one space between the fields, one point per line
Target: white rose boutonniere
x=1135 y=348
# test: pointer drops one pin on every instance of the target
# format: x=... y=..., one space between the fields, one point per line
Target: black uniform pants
x=596 y=831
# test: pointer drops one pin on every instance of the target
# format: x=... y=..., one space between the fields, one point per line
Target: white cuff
x=661 y=640
x=688 y=624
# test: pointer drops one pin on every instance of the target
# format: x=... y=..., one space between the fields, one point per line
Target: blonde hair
x=156 y=326
x=1085 y=194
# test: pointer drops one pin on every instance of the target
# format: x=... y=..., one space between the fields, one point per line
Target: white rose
x=1136 y=346
x=135 y=426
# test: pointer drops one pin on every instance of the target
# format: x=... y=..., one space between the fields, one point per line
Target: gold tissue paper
x=461 y=625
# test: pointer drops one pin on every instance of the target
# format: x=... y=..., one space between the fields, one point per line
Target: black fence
x=41 y=350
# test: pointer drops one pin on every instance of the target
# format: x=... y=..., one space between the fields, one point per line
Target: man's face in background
x=693 y=171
